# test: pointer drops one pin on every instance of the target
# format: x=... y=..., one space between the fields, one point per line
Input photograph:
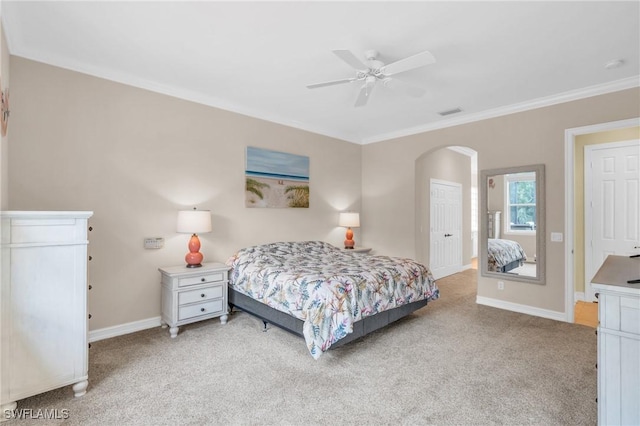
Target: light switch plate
x=154 y=243
x=556 y=237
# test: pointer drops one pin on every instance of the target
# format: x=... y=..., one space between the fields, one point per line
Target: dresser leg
x=80 y=388
x=174 y=331
x=223 y=319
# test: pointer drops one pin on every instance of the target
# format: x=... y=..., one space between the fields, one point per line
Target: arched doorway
x=453 y=166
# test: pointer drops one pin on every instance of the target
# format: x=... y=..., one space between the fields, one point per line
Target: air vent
x=449 y=112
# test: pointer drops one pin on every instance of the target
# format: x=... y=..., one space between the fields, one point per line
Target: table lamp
x=194 y=222
x=349 y=220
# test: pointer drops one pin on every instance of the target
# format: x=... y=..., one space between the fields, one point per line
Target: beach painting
x=276 y=179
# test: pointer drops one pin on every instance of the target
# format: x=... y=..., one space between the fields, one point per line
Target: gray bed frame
x=512 y=265
x=294 y=325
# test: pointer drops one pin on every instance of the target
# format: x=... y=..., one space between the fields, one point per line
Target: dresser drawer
x=48 y=231
x=202 y=279
x=203 y=294
x=199 y=309
x=630 y=315
x=620 y=312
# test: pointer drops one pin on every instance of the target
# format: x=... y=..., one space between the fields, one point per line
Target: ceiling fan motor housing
x=372 y=61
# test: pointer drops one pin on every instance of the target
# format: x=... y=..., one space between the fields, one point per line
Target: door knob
x=448 y=235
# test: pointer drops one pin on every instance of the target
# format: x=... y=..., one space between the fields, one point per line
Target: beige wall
x=530 y=137
x=632 y=133
x=443 y=164
x=135 y=158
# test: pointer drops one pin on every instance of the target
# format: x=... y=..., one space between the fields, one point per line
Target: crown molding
x=587 y=92
x=131 y=80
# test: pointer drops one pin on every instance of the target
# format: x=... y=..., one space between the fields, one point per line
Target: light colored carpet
x=453 y=362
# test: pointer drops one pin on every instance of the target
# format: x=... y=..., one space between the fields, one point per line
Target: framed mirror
x=512 y=224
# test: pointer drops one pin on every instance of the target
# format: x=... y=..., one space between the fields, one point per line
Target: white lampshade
x=349 y=220
x=194 y=221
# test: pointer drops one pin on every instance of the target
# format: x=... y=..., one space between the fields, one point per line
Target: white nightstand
x=359 y=250
x=193 y=294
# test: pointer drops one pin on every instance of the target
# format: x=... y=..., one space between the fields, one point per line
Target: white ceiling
x=256 y=58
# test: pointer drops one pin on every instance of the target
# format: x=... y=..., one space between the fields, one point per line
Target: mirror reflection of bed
x=512 y=221
x=508 y=256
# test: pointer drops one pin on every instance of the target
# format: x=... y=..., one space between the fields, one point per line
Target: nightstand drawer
x=201 y=279
x=206 y=308
x=203 y=294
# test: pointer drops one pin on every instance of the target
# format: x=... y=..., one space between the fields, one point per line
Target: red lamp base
x=348 y=242
x=194 y=257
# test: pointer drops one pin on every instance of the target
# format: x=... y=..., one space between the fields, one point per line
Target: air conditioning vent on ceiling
x=449 y=112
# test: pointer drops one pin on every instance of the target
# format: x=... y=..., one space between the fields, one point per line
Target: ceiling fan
x=373 y=70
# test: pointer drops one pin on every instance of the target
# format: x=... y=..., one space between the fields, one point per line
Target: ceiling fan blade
x=363 y=96
x=350 y=59
x=406 y=64
x=409 y=89
x=330 y=83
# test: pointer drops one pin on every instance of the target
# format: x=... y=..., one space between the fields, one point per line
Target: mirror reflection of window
x=512 y=219
x=520 y=202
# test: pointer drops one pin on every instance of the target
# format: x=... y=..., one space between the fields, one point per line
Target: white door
x=446 y=228
x=612 y=204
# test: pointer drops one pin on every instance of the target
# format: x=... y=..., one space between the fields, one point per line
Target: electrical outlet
x=500 y=285
x=154 y=243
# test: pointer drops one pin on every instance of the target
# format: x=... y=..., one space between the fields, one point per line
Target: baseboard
x=578 y=295
x=522 y=309
x=119 y=330
x=465 y=267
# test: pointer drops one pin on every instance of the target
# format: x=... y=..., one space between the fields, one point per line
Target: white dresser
x=618 y=341
x=193 y=294
x=43 y=304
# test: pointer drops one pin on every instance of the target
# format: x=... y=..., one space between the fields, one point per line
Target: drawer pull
x=203 y=295
x=202 y=279
x=202 y=309
x=89 y=316
x=597 y=295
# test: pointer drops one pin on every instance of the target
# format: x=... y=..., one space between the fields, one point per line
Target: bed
x=504 y=255
x=327 y=295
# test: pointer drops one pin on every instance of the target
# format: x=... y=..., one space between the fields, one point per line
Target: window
x=520 y=203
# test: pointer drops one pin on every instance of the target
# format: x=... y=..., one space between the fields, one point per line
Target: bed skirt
x=294 y=325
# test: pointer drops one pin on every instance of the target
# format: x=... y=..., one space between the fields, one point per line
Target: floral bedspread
x=503 y=252
x=326 y=287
